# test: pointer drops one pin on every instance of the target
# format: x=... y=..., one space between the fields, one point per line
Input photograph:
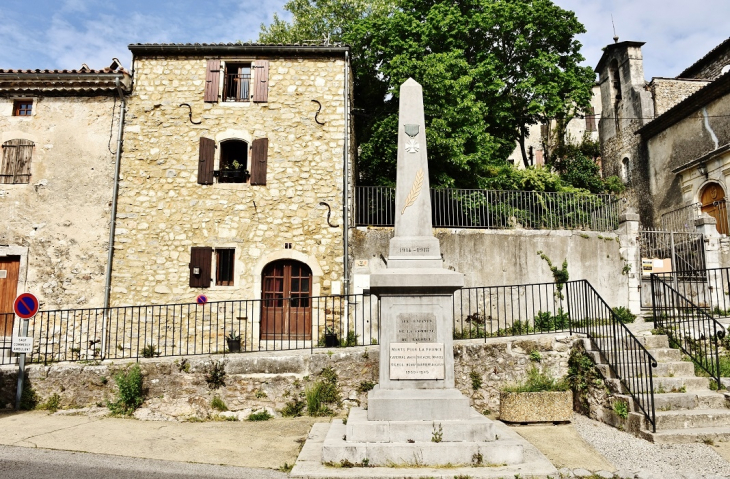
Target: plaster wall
x=59 y=222
x=691 y=138
x=509 y=257
x=163 y=211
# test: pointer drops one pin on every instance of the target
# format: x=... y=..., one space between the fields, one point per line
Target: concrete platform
x=309 y=464
x=417 y=405
x=475 y=428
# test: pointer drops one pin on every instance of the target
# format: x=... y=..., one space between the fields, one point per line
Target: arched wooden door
x=287 y=306
x=713 y=203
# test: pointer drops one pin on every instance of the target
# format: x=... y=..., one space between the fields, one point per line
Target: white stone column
x=628 y=232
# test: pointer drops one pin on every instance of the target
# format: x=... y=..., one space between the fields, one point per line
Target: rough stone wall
x=61 y=218
x=176 y=389
x=692 y=137
x=509 y=257
x=713 y=68
x=667 y=92
x=163 y=212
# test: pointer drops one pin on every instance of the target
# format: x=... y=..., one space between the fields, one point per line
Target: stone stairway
x=686 y=409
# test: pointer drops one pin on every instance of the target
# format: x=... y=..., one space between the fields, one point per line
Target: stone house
x=235 y=163
x=58 y=131
x=666 y=138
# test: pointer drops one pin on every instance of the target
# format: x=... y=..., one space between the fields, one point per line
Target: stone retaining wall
x=177 y=388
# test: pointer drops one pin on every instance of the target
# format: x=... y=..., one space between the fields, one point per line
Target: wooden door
x=287 y=305
x=713 y=203
x=9 y=269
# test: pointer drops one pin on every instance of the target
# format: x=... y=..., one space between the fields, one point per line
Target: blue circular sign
x=201 y=299
x=26 y=305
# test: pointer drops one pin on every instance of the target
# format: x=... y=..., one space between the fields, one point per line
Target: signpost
x=25 y=307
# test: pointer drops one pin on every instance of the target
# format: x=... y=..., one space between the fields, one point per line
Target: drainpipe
x=346 y=178
x=112 y=226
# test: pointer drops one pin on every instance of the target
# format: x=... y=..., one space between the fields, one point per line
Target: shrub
x=323 y=393
x=538 y=381
x=218 y=404
x=293 y=408
x=150 y=351
x=130 y=394
x=624 y=315
x=350 y=341
x=546 y=321
x=216 y=375
x=621 y=409
x=28 y=398
x=476 y=380
x=365 y=386
x=260 y=416
x=52 y=404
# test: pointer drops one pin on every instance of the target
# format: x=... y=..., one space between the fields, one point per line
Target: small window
x=224 y=266
x=237 y=86
x=626 y=170
x=22 y=107
x=591 y=119
x=234 y=162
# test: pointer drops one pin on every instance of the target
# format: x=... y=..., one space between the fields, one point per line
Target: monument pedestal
x=417 y=405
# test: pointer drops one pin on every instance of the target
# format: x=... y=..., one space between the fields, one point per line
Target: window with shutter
x=200 y=265
x=212 y=80
x=237 y=82
x=261 y=78
x=259 y=159
x=206 y=161
x=15 y=167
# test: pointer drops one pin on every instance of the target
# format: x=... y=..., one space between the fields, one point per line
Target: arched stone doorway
x=286 y=306
x=712 y=198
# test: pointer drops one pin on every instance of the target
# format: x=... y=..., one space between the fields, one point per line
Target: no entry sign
x=25 y=306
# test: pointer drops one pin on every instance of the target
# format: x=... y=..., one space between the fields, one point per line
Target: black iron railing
x=688 y=326
x=708 y=289
x=211 y=328
x=458 y=208
x=628 y=359
x=574 y=307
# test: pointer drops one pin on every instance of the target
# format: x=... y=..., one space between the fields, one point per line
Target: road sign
x=26 y=305
x=201 y=299
x=22 y=344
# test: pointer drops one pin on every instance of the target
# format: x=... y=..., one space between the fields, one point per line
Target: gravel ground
x=645 y=459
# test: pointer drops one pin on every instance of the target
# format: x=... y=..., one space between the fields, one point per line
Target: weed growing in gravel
x=621 y=409
x=323 y=393
x=218 y=404
x=52 y=404
x=260 y=416
x=293 y=408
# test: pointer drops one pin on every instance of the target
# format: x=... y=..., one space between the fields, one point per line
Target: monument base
x=381 y=443
x=417 y=405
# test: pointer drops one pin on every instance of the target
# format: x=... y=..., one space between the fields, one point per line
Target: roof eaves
x=696 y=66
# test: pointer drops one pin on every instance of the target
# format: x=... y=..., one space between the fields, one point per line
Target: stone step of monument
x=668 y=369
x=657 y=341
x=475 y=428
x=692 y=419
x=660 y=354
x=663 y=384
x=712 y=434
x=417 y=405
x=337 y=451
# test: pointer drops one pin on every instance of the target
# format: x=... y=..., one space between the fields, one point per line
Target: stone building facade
x=648 y=130
x=58 y=131
x=233 y=173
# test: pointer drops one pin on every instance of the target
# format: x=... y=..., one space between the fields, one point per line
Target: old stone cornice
x=203 y=49
x=608 y=51
x=686 y=107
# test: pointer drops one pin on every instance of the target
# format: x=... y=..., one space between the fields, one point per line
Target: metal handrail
x=688 y=326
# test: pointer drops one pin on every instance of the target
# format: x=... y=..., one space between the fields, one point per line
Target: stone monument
x=415 y=414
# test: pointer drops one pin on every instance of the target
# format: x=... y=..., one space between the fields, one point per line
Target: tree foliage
x=489 y=69
x=316 y=20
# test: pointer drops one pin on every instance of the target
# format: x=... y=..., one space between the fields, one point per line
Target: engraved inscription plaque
x=417 y=361
x=416 y=328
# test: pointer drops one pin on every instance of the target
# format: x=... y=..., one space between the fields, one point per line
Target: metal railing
x=708 y=289
x=628 y=359
x=686 y=250
x=573 y=307
x=456 y=208
x=681 y=219
x=688 y=326
x=493 y=311
x=192 y=329
x=236 y=87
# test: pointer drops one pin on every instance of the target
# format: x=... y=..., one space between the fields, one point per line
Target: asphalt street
x=29 y=463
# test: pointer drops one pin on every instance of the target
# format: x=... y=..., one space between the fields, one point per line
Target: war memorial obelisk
x=415 y=415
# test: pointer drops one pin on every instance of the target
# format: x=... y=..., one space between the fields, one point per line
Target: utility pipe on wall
x=346 y=179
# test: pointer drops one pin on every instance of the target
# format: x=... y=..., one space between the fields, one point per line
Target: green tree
x=489 y=68
x=318 y=20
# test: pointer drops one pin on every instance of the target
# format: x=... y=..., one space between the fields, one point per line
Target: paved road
x=28 y=463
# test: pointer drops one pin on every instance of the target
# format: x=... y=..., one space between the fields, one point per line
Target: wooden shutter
x=259 y=159
x=206 y=161
x=212 y=81
x=261 y=77
x=201 y=257
x=591 y=120
x=15 y=167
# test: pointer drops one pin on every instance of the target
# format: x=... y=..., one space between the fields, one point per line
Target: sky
x=63 y=34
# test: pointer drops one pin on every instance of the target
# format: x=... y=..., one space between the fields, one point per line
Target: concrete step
x=662 y=355
x=663 y=385
x=693 y=400
x=688 y=436
x=649 y=342
x=692 y=419
x=670 y=369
